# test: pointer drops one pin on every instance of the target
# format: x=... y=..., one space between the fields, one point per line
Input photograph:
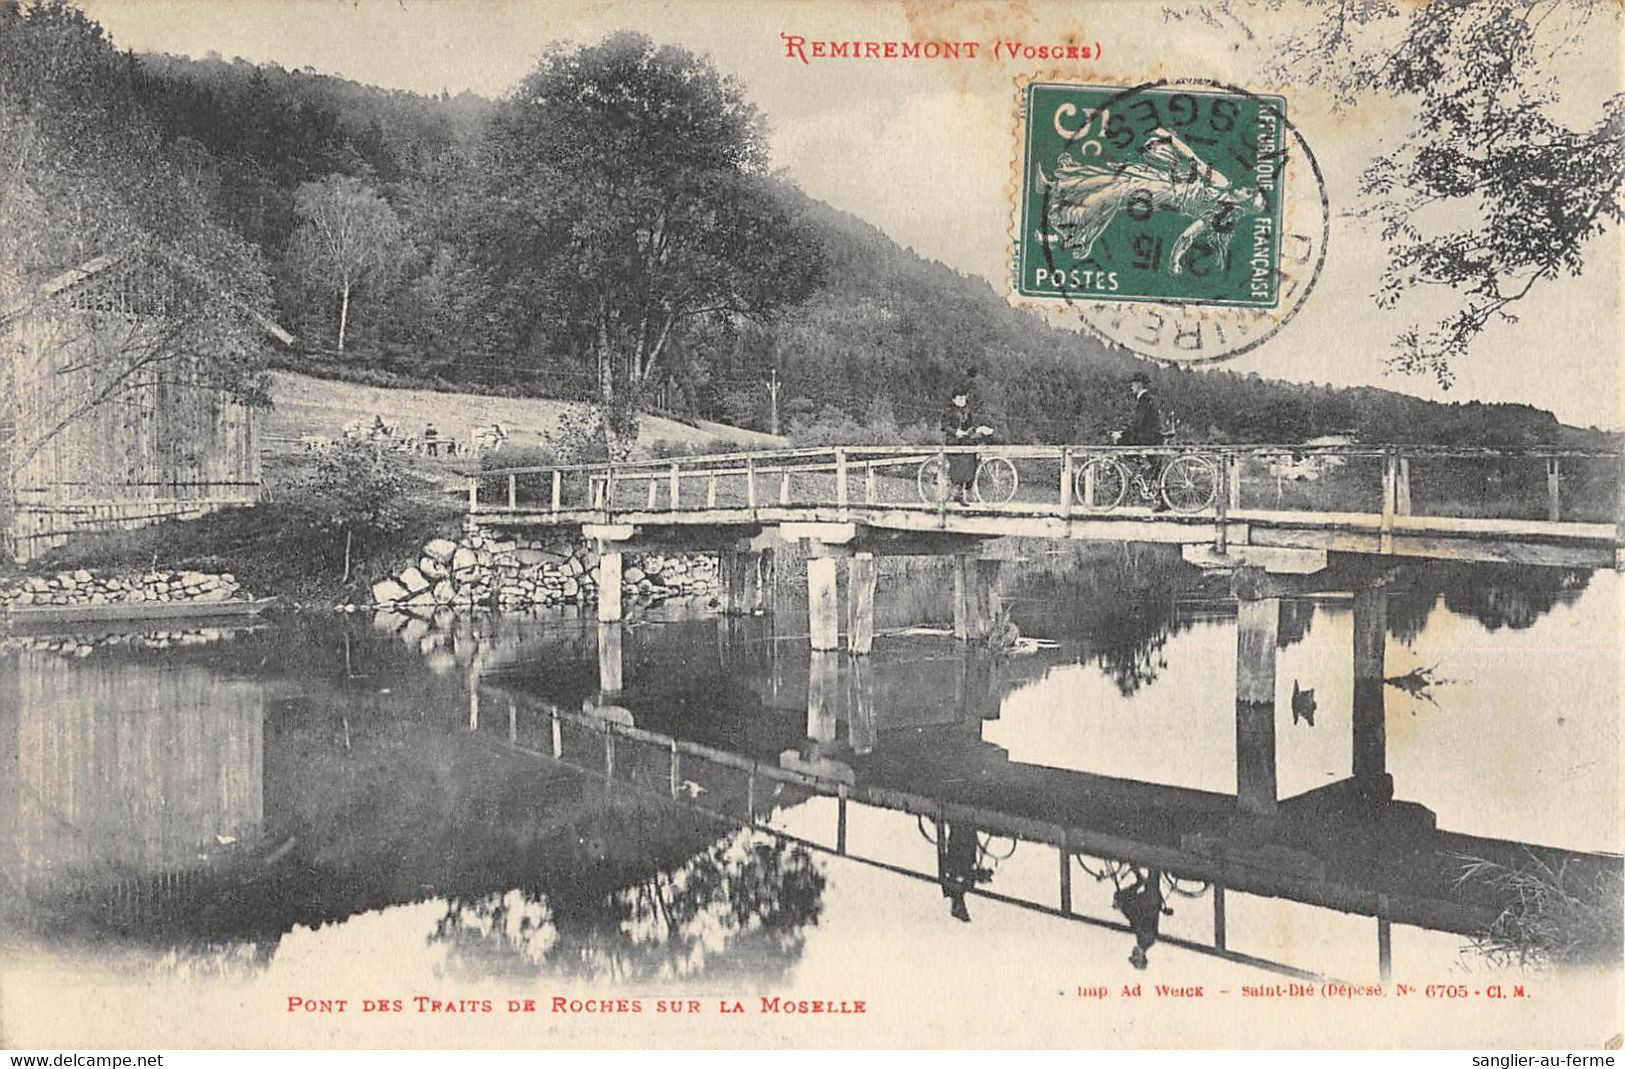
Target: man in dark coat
x=1142 y=904
x=958 y=871
x=1145 y=428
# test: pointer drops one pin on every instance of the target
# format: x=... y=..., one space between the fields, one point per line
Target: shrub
x=519 y=456
x=661 y=448
x=355 y=485
x=835 y=426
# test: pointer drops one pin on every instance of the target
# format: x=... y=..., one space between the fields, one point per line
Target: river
x=397 y=805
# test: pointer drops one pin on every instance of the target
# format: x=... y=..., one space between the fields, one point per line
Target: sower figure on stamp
x=1142 y=904
x=1145 y=428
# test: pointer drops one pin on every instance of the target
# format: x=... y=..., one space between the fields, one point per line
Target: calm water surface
x=426 y=800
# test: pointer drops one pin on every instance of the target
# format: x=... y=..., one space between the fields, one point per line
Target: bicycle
x=1189 y=483
x=1116 y=871
x=995 y=482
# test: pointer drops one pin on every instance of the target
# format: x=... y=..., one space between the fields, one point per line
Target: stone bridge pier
x=1258 y=612
x=830 y=544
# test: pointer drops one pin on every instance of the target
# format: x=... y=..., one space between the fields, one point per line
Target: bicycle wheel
x=1190 y=483
x=1174 y=885
x=1101 y=484
x=1109 y=869
x=932 y=480
x=996 y=481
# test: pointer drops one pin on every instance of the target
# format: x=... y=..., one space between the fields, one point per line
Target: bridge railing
x=1553 y=485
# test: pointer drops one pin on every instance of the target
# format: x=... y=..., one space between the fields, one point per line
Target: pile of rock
x=518 y=573
x=88 y=588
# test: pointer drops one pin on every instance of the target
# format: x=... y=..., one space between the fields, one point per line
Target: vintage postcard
x=812 y=524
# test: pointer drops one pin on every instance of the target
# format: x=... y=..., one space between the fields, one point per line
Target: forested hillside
x=462 y=266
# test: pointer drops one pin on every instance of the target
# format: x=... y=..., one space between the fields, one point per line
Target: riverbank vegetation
x=1552 y=916
x=326 y=532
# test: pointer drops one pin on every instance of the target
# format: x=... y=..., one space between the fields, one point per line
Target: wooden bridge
x=1520 y=507
x=1283 y=508
x=1251 y=510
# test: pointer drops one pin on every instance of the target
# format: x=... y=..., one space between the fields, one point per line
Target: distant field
x=304 y=406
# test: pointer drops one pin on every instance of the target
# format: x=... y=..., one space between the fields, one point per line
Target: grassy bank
x=273 y=550
x=316 y=538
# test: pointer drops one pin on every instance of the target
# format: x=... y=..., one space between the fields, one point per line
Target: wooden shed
x=160 y=444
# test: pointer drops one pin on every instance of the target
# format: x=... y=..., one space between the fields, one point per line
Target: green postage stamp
x=1153 y=193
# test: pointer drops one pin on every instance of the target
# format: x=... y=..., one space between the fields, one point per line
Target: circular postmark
x=1185 y=220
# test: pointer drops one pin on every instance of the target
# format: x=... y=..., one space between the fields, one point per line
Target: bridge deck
x=897 y=490
x=1440 y=537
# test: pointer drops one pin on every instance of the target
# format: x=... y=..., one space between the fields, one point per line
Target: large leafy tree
x=1503 y=180
x=348 y=237
x=625 y=199
x=86 y=180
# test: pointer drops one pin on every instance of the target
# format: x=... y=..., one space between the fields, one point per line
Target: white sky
x=923 y=150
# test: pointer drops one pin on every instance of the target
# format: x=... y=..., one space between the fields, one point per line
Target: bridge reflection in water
x=267 y=781
x=911 y=738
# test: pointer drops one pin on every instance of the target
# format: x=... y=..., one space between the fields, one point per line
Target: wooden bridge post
x=823 y=696
x=1221 y=510
x=1066 y=482
x=1232 y=481
x=558 y=487
x=758 y=579
x=942 y=485
x=1370 y=745
x=513 y=492
x=1554 y=490
x=739 y=574
x=1385 y=945
x=654 y=490
x=784 y=485
x=728 y=581
x=674 y=486
x=975 y=597
x=860 y=603
x=1258 y=621
x=862 y=729
x=823 y=603
x=609 y=583
x=473 y=494
x=1390 y=483
x=750 y=483
x=611 y=641
x=840 y=482
x=870 y=493
x=1219 y=934
x=840 y=820
x=1402 y=487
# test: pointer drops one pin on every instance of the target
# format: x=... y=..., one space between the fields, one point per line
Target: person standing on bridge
x=961 y=427
x=1145 y=428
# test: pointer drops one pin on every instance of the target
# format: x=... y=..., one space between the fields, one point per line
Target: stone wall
x=486 y=569
x=94 y=588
